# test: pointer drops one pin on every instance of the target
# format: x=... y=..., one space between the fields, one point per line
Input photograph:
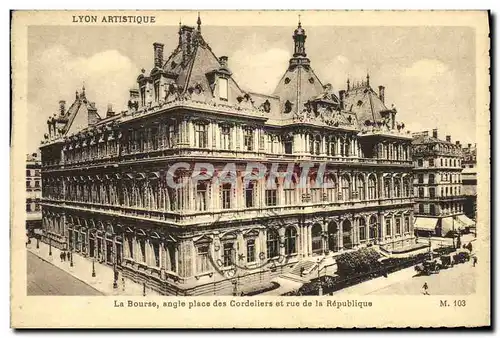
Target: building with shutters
x=439 y=196
x=469 y=180
x=110 y=191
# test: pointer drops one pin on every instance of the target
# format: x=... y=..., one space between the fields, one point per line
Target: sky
x=428 y=72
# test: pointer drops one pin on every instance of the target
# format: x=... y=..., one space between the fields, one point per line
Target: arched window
x=406 y=187
x=317 y=241
x=346 y=188
x=387 y=187
x=397 y=187
x=333 y=236
x=373 y=227
x=290 y=241
x=272 y=243
x=332 y=146
x=372 y=187
x=346 y=234
x=317 y=144
x=331 y=188
x=362 y=229
x=431 y=179
x=361 y=187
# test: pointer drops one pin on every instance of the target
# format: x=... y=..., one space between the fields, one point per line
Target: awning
x=423 y=223
x=448 y=224
x=466 y=221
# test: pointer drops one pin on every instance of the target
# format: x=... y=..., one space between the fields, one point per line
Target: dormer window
x=311 y=80
x=223 y=89
x=287 y=80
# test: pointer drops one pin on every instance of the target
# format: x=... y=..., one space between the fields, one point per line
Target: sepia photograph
x=302 y=163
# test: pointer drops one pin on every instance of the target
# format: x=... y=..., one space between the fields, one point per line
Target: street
x=46 y=279
x=458 y=280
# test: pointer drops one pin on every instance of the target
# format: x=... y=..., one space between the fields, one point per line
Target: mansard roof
x=365 y=103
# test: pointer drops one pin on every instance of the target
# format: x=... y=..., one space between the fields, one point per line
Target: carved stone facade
x=109 y=192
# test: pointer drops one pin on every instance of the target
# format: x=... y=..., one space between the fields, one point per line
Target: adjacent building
x=437 y=180
x=33 y=193
x=469 y=181
x=109 y=193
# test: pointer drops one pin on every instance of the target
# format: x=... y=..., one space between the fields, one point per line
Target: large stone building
x=33 y=193
x=437 y=179
x=110 y=191
x=469 y=180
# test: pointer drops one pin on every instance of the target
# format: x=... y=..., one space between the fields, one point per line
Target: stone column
x=340 y=235
x=210 y=131
x=309 y=236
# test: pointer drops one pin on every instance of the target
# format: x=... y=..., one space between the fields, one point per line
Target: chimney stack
x=62 y=106
x=458 y=144
x=448 y=138
x=223 y=60
x=381 y=93
x=469 y=145
x=435 y=133
x=110 y=111
x=158 y=54
x=342 y=99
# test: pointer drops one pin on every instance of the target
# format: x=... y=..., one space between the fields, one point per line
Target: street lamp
x=144 y=289
x=71 y=257
x=50 y=246
x=37 y=243
x=93 y=267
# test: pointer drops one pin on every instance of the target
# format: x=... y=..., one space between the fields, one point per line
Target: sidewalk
x=82 y=270
x=375 y=284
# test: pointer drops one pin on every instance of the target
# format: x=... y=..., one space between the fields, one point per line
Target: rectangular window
x=37 y=207
x=225 y=138
x=420 y=163
x=201 y=135
x=407 y=224
x=28 y=184
x=249 y=192
x=28 y=207
x=271 y=199
x=420 y=178
x=421 y=209
x=28 y=173
x=154 y=138
x=223 y=89
x=226 y=196
x=37 y=184
x=388 y=227
x=432 y=209
x=432 y=192
x=228 y=258
x=202 y=260
x=201 y=196
x=398 y=226
x=248 y=140
x=431 y=162
x=250 y=250
x=362 y=233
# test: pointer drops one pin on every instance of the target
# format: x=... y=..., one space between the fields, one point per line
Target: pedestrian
x=61 y=256
x=64 y=256
x=469 y=247
x=425 y=287
x=123 y=283
x=474 y=261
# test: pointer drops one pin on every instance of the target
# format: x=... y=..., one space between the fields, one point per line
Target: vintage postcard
x=250 y=169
